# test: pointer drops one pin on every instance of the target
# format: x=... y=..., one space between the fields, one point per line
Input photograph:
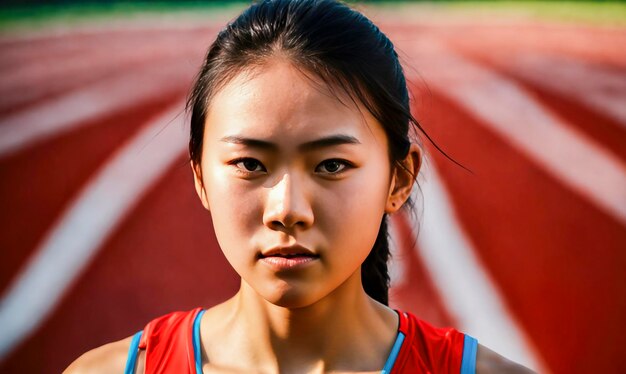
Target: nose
x=287 y=205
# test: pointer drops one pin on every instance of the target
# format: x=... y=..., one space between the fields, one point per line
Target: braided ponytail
x=374 y=272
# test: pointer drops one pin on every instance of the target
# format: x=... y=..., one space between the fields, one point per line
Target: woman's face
x=296 y=182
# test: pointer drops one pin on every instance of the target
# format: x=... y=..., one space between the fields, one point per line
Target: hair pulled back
x=335 y=43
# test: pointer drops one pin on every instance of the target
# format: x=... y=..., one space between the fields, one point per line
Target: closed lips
x=292 y=255
x=288 y=252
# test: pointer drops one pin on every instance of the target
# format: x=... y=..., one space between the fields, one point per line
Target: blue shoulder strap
x=468 y=362
x=132 y=353
x=197 y=354
x=391 y=360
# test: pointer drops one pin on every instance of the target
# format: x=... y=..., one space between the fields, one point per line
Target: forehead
x=278 y=101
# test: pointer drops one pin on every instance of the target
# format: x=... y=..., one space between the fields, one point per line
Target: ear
x=403 y=179
x=197 y=180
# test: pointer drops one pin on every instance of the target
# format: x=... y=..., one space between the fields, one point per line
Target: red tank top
x=169 y=346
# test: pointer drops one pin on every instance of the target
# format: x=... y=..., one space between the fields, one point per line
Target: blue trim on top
x=391 y=360
x=468 y=362
x=133 y=350
x=197 y=354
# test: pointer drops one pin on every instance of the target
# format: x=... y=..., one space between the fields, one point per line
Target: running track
x=102 y=231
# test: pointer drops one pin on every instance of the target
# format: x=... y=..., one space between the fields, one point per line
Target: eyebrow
x=327 y=141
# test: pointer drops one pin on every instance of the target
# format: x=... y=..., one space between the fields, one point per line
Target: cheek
x=235 y=213
x=351 y=215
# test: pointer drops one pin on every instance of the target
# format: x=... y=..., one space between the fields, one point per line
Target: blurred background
x=101 y=230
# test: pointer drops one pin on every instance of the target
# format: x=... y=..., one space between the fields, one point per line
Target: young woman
x=300 y=147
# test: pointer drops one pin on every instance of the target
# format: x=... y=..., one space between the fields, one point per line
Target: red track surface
x=557 y=258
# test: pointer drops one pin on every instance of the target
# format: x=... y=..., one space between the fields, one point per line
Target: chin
x=290 y=297
x=290 y=302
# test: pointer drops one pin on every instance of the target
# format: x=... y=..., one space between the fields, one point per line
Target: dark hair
x=340 y=46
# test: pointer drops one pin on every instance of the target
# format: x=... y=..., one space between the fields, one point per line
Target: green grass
x=581 y=12
x=611 y=13
x=595 y=13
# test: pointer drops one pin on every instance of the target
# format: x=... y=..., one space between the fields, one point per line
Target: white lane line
x=76 y=108
x=499 y=103
x=601 y=89
x=20 y=51
x=67 y=56
x=87 y=222
x=467 y=290
x=33 y=81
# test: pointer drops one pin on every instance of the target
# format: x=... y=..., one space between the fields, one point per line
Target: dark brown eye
x=332 y=166
x=250 y=165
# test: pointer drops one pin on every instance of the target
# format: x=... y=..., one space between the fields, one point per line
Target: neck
x=344 y=329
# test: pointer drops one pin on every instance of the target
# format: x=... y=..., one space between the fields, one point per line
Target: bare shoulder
x=488 y=361
x=109 y=358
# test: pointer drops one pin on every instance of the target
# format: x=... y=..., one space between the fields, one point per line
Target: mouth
x=288 y=252
x=288 y=258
